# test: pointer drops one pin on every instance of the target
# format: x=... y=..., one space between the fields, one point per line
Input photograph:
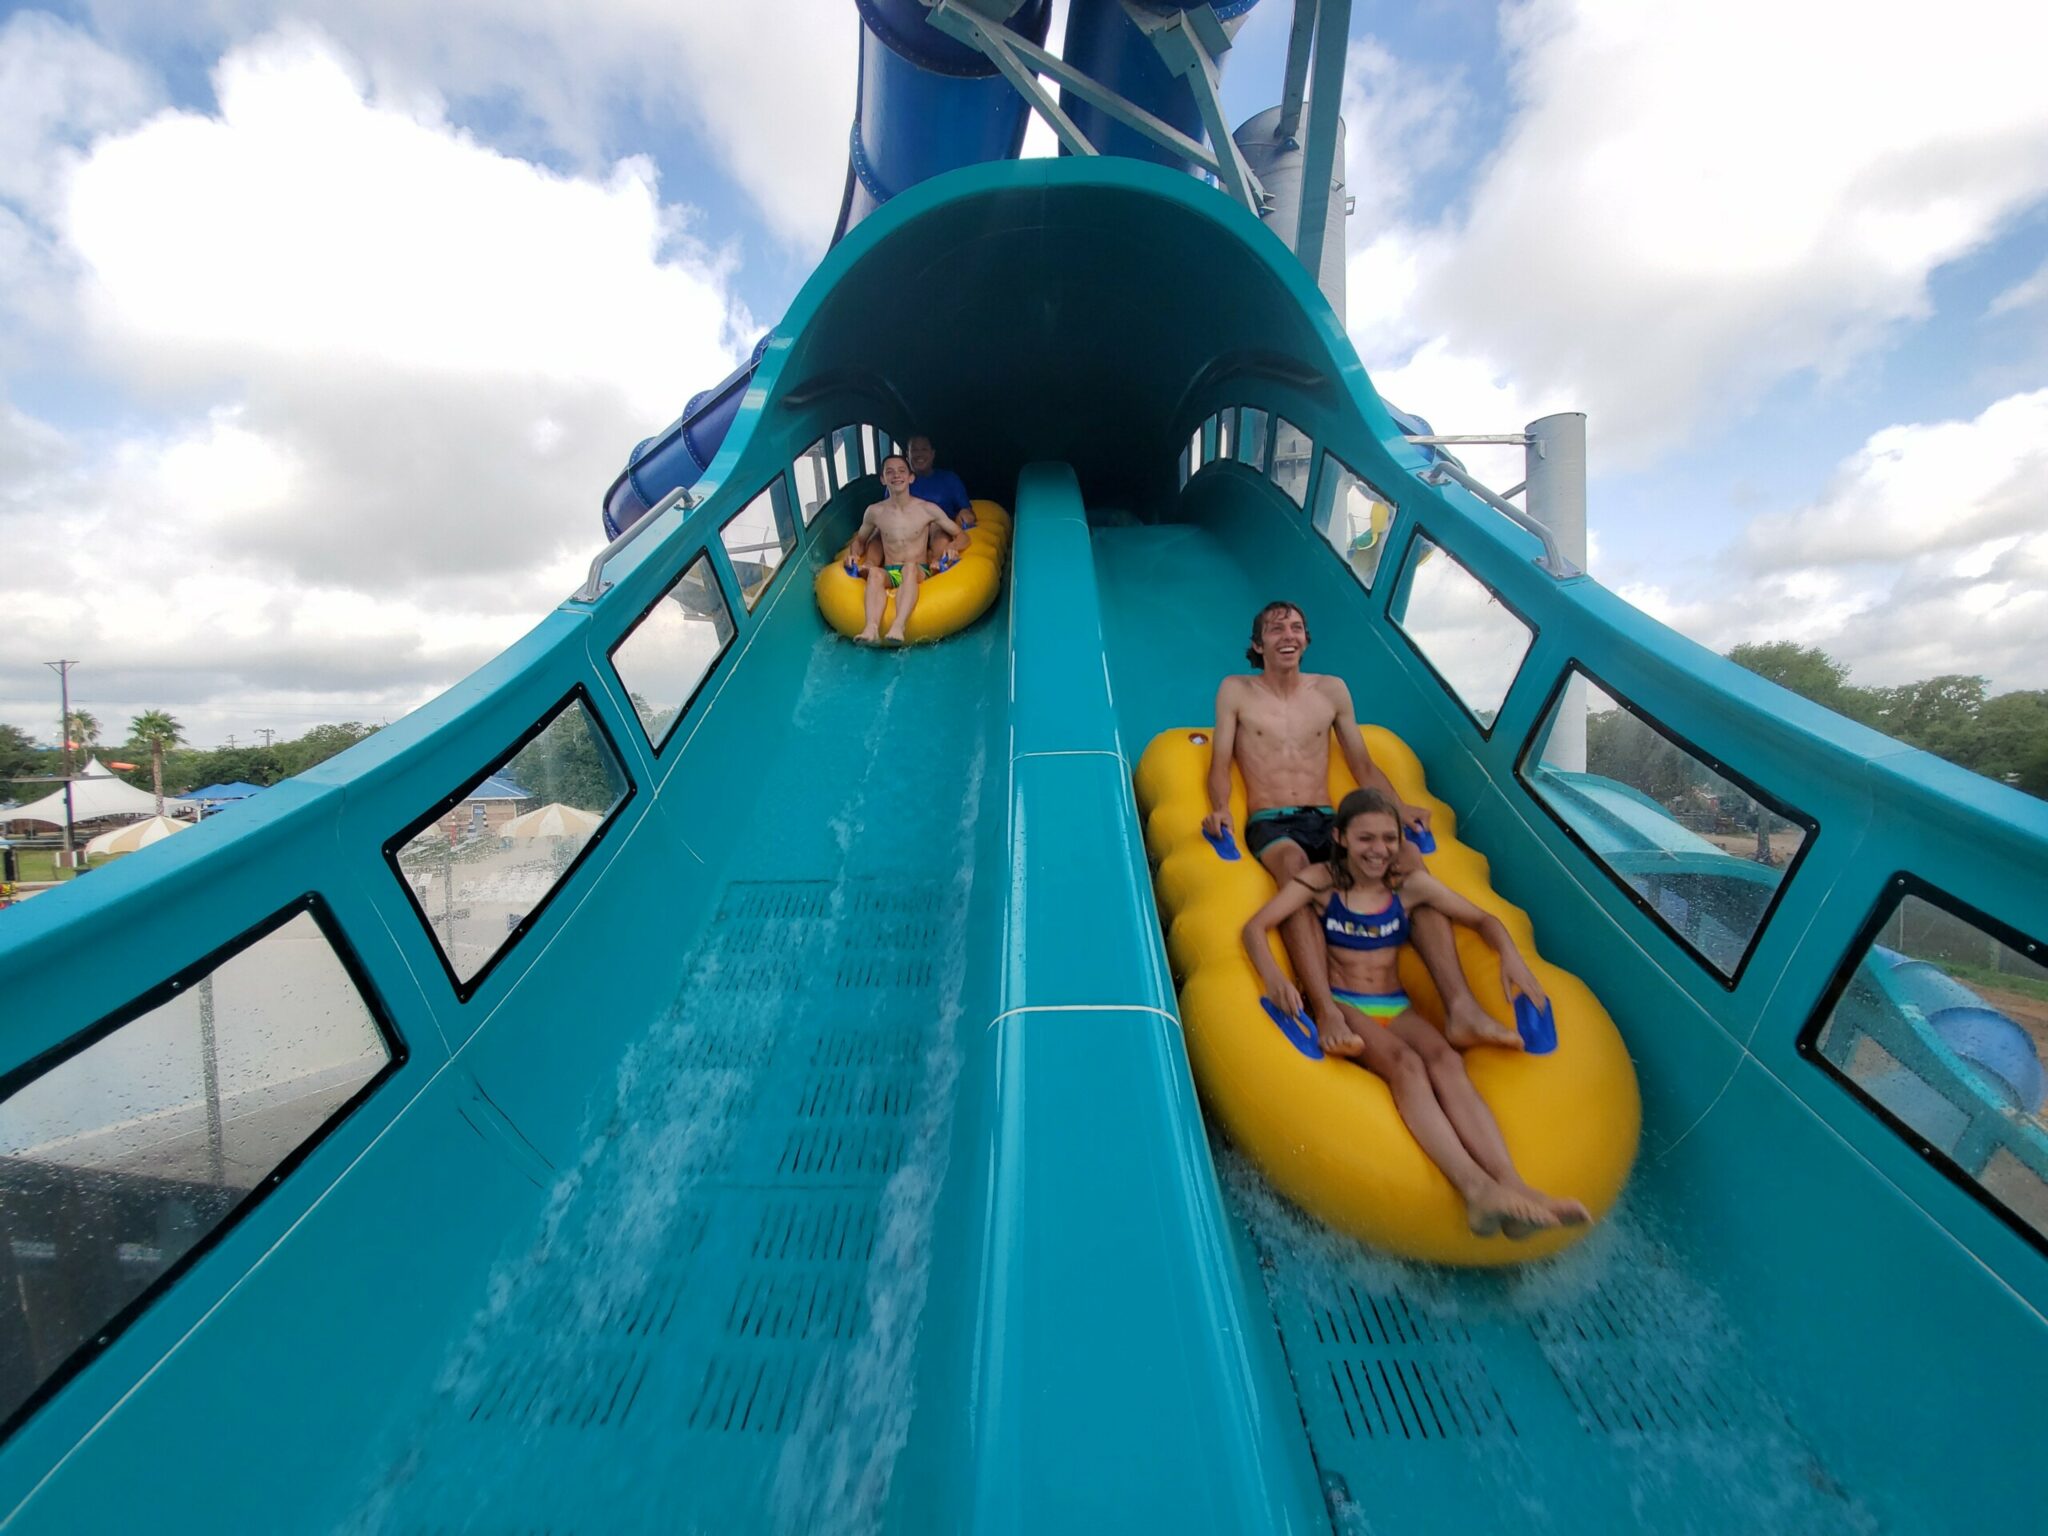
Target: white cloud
x=1692 y=203
x=767 y=89
x=394 y=371
x=304 y=221
x=58 y=88
x=1927 y=554
x=1401 y=127
x=1921 y=488
x=2028 y=293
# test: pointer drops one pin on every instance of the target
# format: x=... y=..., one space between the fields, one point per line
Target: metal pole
x=1325 y=99
x=209 y=1047
x=63 y=671
x=1556 y=461
x=1556 y=457
x=1295 y=88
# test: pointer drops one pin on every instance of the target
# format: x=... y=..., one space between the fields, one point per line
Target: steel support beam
x=961 y=19
x=1189 y=42
x=1297 y=69
x=1002 y=47
x=1325 y=104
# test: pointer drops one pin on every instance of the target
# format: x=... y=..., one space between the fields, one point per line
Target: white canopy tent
x=94 y=794
x=136 y=835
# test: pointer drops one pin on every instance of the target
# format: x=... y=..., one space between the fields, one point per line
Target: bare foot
x=1515 y=1213
x=866 y=637
x=894 y=637
x=1470 y=1025
x=1338 y=1037
x=1569 y=1213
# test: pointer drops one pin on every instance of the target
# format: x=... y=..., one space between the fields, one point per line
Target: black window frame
x=464 y=991
x=611 y=656
x=1891 y=896
x=102 y=1338
x=1811 y=825
x=1406 y=575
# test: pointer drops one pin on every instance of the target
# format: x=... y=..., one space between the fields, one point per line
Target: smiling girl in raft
x=1365 y=923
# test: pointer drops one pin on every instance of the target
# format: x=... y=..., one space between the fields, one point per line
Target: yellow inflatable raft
x=1324 y=1131
x=951 y=600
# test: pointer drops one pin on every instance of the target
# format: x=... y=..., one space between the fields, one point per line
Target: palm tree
x=83 y=728
x=157 y=731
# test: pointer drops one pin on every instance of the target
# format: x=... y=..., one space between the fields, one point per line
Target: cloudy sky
x=323 y=326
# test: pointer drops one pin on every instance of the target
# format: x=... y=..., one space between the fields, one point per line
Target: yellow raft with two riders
x=948 y=599
x=1325 y=1132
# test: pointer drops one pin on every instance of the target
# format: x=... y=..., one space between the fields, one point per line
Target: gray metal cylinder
x=1557 y=498
x=1278 y=165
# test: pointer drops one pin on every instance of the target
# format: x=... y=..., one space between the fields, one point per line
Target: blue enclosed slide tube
x=1106 y=45
x=927 y=104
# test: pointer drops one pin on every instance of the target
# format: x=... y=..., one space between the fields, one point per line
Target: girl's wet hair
x=1252 y=653
x=1360 y=802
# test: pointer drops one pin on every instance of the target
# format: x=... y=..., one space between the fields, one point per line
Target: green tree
x=1622 y=748
x=320 y=743
x=565 y=763
x=2012 y=732
x=1936 y=714
x=1805 y=669
x=20 y=758
x=83 y=727
x=157 y=731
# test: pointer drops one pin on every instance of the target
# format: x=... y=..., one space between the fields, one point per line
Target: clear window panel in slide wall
x=1942 y=1025
x=666 y=655
x=1474 y=642
x=1699 y=851
x=1293 y=457
x=810 y=480
x=120 y=1160
x=757 y=538
x=846 y=454
x=871 y=448
x=1226 y=432
x=482 y=869
x=1251 y=438
x=1353 y=518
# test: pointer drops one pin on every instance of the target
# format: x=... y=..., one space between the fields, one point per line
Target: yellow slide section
x=949 y=601
x=1324 y=1131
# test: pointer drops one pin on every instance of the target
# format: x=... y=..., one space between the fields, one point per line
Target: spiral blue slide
x=782 y=1121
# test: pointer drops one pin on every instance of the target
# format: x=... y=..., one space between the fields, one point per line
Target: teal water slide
x=795 y=1133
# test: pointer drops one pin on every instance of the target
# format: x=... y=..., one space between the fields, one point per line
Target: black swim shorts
x=1308 y=827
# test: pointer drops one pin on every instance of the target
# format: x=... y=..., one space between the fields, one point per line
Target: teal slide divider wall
x=1122 y=1362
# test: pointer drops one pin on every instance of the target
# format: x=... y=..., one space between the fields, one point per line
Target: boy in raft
x=1364 y=911
x=1275 y=724
x=902 y=526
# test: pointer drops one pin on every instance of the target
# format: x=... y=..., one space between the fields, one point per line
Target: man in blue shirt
x=944 y=490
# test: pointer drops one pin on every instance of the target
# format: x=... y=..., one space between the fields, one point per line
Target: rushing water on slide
x=714 y=1323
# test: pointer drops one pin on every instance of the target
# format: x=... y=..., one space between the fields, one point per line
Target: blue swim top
x=1346 y=929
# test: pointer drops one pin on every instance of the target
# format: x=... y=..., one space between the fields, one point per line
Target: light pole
x=63 y=671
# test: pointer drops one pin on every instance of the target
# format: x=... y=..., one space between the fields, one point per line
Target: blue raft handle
x=1225 y=846
x=1538 y=1026
x=1423 y=839
x=852 y=567
x=1299 y=1029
